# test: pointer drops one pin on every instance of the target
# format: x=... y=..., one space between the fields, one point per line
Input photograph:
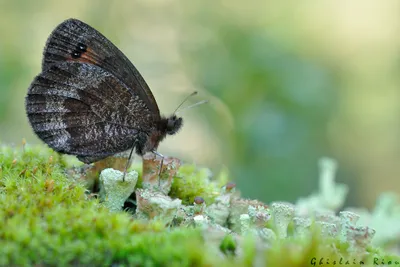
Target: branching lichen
x=50 y=215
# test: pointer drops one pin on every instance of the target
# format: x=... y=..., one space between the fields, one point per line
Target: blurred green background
x=288 y=82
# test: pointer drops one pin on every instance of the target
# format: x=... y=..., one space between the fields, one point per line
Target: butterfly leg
x=128 y=161
x=161 y=165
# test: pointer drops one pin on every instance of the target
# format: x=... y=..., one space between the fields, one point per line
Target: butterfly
x=90 y=101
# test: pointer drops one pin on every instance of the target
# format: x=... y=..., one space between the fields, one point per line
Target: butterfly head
x=170 y=126
x=173 y=124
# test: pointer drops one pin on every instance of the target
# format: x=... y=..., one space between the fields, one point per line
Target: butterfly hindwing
x=84 y=110
x=75 y=41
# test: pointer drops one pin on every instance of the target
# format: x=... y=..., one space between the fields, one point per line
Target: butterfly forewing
x=90 y=101
x=75 y=41
x=84 y=110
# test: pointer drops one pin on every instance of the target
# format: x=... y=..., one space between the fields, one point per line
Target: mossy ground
x=191 y=182
x=47 y=219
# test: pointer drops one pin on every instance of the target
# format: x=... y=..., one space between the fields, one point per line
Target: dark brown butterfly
x=90 y=101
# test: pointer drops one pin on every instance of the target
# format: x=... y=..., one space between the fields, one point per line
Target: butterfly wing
x=84 y=110
x=74 y=40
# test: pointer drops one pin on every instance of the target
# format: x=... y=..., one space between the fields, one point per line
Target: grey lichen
x=302 y=226
x=156 y=205
x=220 y=210
x=330 y=196
x=359 y=237
x=267 y=234
x=327 y=229
x=283 y=214
x=229 y=213
x=384 y=218
x=243 y=217
x=245 y=223
x=327 y=216
x=113 y=190
x=159 y=230
x=239 y=206
x=259 y=215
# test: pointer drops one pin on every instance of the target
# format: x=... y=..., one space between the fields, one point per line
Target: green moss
x=303 y=251
x=319 y=250
x=138 y=167
x=47 y=219
x=249 y=251
x=228 y=245
x=192 y=182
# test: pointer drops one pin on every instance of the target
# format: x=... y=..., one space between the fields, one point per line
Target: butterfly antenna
x=128 y=162
x=189 y=96
x=192 y=106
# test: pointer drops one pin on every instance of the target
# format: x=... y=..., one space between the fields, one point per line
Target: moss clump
x=192 y=182
x=228 y=245
x=47 y=219
x=318 y=250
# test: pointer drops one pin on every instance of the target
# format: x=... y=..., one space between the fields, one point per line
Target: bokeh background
x=288 y=82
